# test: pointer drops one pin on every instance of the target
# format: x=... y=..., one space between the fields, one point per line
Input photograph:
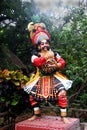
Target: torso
x=48 y=67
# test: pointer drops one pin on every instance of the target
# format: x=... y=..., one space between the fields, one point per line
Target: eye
x=46 y=43
x=42 y=43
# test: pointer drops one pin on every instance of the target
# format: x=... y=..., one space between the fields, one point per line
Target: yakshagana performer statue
x=47 y=84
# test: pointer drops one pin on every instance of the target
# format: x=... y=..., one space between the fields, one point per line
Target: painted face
x=44 y=45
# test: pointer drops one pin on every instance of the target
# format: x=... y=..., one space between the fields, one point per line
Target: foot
x=33 y=118
x=65 y=120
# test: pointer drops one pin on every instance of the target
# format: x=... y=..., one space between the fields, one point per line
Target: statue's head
x=38 y=33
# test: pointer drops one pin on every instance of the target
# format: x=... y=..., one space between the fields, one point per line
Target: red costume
x=47 y=84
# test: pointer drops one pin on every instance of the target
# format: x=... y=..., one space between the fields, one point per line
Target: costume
x=47 y=84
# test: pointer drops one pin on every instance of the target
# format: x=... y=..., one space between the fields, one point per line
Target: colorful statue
x=47 y=84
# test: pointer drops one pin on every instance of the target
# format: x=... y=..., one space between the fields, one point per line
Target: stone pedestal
x=48 y=123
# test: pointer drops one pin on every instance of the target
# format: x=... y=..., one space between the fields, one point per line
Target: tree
x=72 y=44
x=14 y=18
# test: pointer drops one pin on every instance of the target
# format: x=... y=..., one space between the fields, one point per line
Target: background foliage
x=70 y=40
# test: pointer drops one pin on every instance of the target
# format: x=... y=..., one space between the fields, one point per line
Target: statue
x=47 y=84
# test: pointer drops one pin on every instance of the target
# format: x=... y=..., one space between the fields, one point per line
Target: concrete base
x=48 y=123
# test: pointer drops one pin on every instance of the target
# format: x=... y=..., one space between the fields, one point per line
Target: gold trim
x=61 y=75
x=36 y=112
x=36 y=76
x=63 y=114
x=45 y=86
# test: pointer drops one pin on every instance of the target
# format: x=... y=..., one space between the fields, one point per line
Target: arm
x=38 y=61
x=60 y=61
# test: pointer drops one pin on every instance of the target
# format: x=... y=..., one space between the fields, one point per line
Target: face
x=44 y=45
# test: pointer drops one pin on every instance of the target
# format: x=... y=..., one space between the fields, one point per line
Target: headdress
x=38 y=32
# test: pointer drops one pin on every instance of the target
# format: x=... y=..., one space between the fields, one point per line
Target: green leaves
x=71 y=43
x=15 y=99
x=16 y=77
x=35 y=18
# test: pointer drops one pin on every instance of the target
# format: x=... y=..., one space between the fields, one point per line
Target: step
x=48 y=123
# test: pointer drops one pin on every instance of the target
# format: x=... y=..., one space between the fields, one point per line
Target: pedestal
x=48 y=123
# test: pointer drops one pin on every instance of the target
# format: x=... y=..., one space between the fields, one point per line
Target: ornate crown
x=38 y=32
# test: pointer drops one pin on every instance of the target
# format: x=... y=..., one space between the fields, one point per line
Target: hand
x=58 y=65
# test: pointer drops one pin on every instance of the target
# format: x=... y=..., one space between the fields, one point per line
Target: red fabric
x=62 y=61
x=32 y=101
x=39 y=33
x=39 y=61
x=62 y=100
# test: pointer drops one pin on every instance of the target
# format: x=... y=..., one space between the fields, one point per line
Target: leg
x=62 y=102
x=36 y=109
